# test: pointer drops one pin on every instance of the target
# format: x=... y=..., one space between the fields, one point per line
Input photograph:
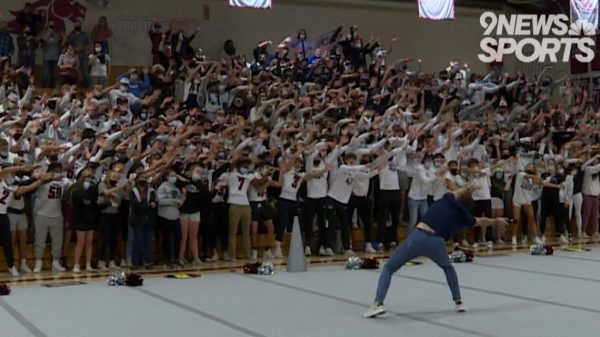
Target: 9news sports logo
x=552 y=37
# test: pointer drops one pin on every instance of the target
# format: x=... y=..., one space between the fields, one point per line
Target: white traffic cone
x=296 y=259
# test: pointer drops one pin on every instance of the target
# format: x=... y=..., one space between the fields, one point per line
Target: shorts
x=261 y=211
x=194 y=217
x=482 y=208
x=84 y=226
x=18 y=222
x=403 y=181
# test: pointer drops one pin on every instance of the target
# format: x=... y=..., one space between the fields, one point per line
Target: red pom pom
x=134 y=280
x=370 y=263
x=4 y=289
x=251 y=268
x=549 y=250
x=469 y=255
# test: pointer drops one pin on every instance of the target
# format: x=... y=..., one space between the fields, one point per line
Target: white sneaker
x=226 y=256
x=524 y=241
x=460 y=307
x=514 y=241
x=13 y=272
x=38 y=266
x=543 y=239
x=329 y=252
x=490 y=244
x=89 y=269
x=56 y=267
x=123 y=263
x=476 y=245
x=537 y=240
x=307 y=251
x=253 y=255
x=102 y=265
x=464 y=243
x=213 y=258
x=268 y=255
x=25 y=267
x=563 y=240
x=197 y=263
x=112 y=265
x=76 y=269
x=374 y=311
x=349 y=252
x=369 y=248
x=322 y=251
x=278 y=254
x=585 y=236
x=501 y=242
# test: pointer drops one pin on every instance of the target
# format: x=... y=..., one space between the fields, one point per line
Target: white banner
x=585 y=11
x=436 y=9
x=251 y=3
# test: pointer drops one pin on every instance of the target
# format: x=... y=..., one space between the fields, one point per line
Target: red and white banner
x=585 y=11
x=251 y=3
x=436 y=9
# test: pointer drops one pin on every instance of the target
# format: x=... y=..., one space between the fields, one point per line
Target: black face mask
x=316 y=162
x=530 y=172
x=454 y=171
x=78 y=29
x=17 y=136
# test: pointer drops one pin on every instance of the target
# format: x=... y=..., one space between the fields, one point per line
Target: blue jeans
x=142 y=244
x=418 y=243
x=49 y=74
x=416 y=209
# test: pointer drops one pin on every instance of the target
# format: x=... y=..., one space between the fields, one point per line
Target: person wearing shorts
x=262 y=213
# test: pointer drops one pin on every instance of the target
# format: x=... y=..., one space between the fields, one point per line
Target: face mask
x=78 y=28
x=531 y=172
x=143 y=116
x=454 y=171
x=316 y=162
x=437 y=165
x=561 y=171
x=244 y=170
x=17 y=136
x=427 y=164
x=172 y=179
x=86 y=185
x=123 y=88
x=499 y=175
x=133 y=77
x=113 y=182
x=10 y=180
x=196 y=177
x=98 y=49
x=220 y=120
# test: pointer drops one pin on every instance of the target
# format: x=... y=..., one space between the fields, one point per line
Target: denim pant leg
x=413 y=212
x=423 y=207
x=435 y=249
x=404 y=253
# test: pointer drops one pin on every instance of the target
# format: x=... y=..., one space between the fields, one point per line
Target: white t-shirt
x=316 y=187
x=440 y=185
x=291 y=184
x=483 y=181
x=254 y=195
x=524 y=188
x=388 y=178
x=48 y=198
x=6 y=195
x=97 y=68
x=238 y=188
x=343 y=182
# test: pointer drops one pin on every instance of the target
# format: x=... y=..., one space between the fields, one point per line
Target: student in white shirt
x=422 y=177
x=525 y=183
x=591 y=193
x=261 y=212
x=315 y=203
x=482 y=198
x=363 y=204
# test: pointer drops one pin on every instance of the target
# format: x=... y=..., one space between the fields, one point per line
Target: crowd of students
x=191 y=148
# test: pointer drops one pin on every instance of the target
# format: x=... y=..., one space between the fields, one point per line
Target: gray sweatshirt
x=168 y=196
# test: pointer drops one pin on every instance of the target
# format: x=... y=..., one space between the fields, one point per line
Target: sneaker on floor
x=500 y=242
x=253 y=255
x=307 y=251
x=76 y=269
x=349 y=252
x=490 y=244
x=25 y=268
x=13 y=272
x=102 y=265
x=375 y=310
x=38 y=266
x=563 y=240
x=226 y=256
x=460 y=307
x=524 y=241
x=213 y=258
x=465 y=243
x=537 y=240
x=322 y=251
x=112 y=265
x=380 y=247
x=476 y=245
x=124 y=264
x=197 y=263
x=278 y=254
x=268 y=255
x=393 y=245
x=585 y=236
x=514 y=240
x=329 y=252
x=90 y=269
x=369 y=248
x=57 y=267
x=543 y=239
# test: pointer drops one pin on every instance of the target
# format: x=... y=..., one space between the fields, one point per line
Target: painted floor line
x=579 y=278
x=500 y=293
x=33 y=330
x=576 y=258
x=363 y=305
x=198 y=312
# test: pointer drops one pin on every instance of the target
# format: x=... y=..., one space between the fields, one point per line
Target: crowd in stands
x=192 y=149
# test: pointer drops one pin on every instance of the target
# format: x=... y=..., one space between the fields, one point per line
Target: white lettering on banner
x=559 y=38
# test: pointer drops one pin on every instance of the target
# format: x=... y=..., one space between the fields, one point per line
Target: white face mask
x=172 y=179
x=98 y=49
x=124 y=88
x=86 y=185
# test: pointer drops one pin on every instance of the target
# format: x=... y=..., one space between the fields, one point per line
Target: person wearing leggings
x=389 y=202
x=316 y=204
x=169 y=198
x=551 y=203
x=362 y=203
x=445 y=217
x=577 y=199
x=591 y=191
x=110 y=221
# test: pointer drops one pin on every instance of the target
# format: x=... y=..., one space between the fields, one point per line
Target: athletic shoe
x=460 y=307
x=278 y=254
x=13 y=272
x=57 y=267
x=25 y=267
x=349 y=252
x=226 y=256
x=89 y=269
x=500 y=242
x=322 y=251
x=375 y=310
x=253 y=255
x=369 y=248
x=197 y=263
x=38 y=266
x=112 y=265
x=380 y=247
x=514 y=241
x=181 y=263
x=543 y=239
x=102 y=265
x=268 y=255
x=393 y=245
x=563 y=240
x=124 y=264
x=329 y=252
x=76 y=269
x=524 y=241
x=476 y=245
x=465 y=243
x=149 y=266
x=490 y=244
x=537 y=240
x=213 y=258
x=307 y=251
x=585 y=236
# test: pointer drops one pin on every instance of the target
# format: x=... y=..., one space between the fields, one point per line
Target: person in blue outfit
x=444 y=218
